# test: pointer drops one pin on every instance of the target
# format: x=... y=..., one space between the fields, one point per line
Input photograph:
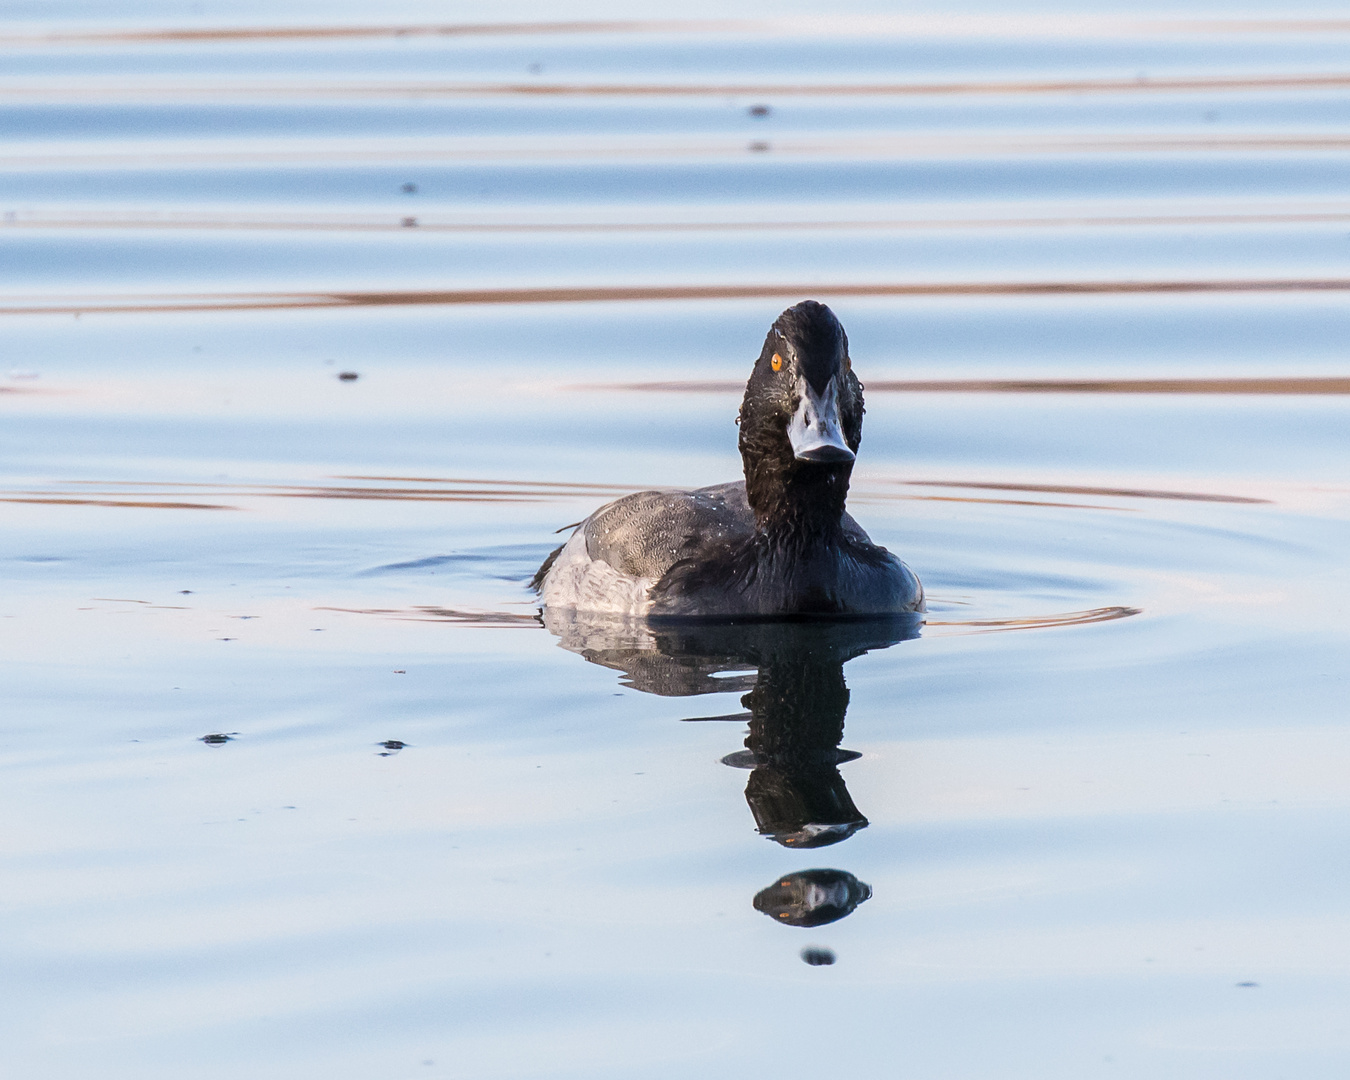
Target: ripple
x=188 y=302
x=196 y=221
x=143 y=494
x=947 y=26
x=1315 y=384
x=1032 y=622
x=1174 y=84
x=457 y=616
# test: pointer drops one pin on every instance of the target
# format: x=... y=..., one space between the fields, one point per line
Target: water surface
x=1085 y=820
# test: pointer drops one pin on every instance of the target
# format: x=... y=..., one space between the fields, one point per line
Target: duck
x=778 y=544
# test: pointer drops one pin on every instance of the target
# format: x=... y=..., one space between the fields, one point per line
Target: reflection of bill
x=796 y=700
x=812 y=897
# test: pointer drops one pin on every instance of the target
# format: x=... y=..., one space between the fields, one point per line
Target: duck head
x=801 y=420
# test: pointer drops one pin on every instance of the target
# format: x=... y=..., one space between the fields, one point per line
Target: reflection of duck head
x=812 y=897
x=796 y=701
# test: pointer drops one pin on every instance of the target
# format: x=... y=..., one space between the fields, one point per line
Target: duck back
x=699 y=553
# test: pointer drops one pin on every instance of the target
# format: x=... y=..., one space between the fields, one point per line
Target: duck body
x=778 y=544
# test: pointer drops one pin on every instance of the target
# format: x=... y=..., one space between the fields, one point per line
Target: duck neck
x=797 y=503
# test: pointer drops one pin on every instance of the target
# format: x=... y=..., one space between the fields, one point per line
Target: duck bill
x=816 y=431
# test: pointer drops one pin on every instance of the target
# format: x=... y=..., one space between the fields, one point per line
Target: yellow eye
x=777 y=362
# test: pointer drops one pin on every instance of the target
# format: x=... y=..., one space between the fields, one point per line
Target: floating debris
x=348 y=376
x=817 y=957
x=218 y=738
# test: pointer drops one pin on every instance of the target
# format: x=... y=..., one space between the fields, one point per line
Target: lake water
x=1089 y=819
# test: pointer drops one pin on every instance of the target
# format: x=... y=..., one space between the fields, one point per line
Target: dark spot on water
x=759 y=110
x=409 y=188
x=1248 y=984
x=400 y=671
x=392 y=747
x=348 y=376
x=758 y=147
x=535 y=69
x=408 y=222
x=818 y=957
x=218 y=738
x=184 y=592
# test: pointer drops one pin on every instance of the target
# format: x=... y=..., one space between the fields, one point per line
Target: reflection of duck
x=812 y=897
x=796 y=701
x=778 y=543
x=796 y=724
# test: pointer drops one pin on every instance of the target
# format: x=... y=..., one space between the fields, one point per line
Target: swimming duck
x=777 y=544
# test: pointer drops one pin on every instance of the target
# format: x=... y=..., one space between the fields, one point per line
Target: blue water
x=1094 y=821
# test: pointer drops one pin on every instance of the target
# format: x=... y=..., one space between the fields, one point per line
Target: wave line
x=196 y=302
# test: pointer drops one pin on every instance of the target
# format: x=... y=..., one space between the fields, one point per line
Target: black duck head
x=801 y=420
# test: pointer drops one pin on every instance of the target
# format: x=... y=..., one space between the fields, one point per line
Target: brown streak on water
x=583 y=488
x=1071 y=489
x=1172 y=84
x=546 y=491
x=474 y=491
x=1058 y=27
x=287 y=33
x=1316 y=385
x=863 y=495
x=607 y=293
x=114 y=502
